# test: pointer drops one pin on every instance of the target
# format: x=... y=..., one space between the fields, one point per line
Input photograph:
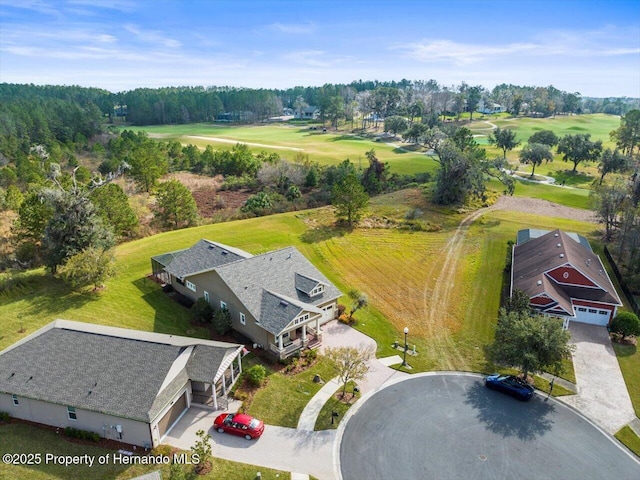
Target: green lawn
x=20 y=438
x=328 y=148
x=598 y=125
x=284 y=397
x=326 y=420
x=629 y=360
x=627 y=436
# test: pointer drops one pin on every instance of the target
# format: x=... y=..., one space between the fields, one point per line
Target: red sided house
x=563 y=277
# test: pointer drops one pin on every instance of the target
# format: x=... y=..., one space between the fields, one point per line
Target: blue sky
x=591 y=47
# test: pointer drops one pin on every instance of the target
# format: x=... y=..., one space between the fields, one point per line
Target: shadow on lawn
x=171 y=317
x=325 y=232
x=509 y=417
x=58 y=298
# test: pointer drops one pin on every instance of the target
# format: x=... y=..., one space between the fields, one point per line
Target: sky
x=585 y=46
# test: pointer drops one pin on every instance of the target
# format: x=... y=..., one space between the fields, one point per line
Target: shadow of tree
x=325 y=232
x=508 y=417
x=170 y=317
x=339 y=138
x=58 y=298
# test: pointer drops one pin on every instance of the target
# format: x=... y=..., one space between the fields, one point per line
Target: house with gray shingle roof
x=278 y=299
x=563 y=277
x=125 y=385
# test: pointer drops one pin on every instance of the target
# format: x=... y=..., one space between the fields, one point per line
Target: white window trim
x=206 y=296
x=16 y=402
x=70 y=412
x=190 y=285
x=243 y=319
x=223 y=305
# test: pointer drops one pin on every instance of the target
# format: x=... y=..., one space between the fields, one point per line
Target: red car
x=239 y=424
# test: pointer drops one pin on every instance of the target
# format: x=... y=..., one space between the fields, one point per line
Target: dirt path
x=437 y=301
x=226 y=140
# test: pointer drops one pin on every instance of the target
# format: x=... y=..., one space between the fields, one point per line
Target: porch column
x=280 y=342
x=232 y=375
x=304 y=335
x=239 y=363
x=318 y=331
x=224 y=385
x=215 y=396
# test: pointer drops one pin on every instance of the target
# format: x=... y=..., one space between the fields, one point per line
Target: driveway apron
x=602 y=394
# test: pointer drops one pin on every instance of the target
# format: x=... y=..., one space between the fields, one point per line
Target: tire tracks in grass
x=437 y=302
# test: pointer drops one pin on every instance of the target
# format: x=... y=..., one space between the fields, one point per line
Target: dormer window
x=317 y=291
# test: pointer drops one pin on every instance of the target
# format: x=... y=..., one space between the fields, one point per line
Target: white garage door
x=594 y=316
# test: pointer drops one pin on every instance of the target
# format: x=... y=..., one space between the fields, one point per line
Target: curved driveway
x=449 y=426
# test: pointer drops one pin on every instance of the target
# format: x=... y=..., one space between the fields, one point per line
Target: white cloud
x=152 y=36
x=293 y=28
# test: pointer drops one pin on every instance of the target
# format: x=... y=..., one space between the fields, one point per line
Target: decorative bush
x=4 y=417
x=256 y=375
x=81 y=434
x=201 y=311
x=625 y=324
x=349 y=320
x=311 y=355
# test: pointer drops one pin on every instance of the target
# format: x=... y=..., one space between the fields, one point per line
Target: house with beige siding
x=125 y=385
x=278 y=299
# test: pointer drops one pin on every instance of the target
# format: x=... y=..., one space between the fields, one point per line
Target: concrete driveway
x=602 y=394
x=450 y=426
x=281 y=448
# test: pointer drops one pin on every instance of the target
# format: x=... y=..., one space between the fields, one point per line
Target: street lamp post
x=404 y=359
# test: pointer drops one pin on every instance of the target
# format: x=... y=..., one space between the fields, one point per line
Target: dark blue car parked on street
x=511 y=385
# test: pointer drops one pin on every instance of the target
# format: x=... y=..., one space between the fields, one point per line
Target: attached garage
x=169 y=418
x=593 y=316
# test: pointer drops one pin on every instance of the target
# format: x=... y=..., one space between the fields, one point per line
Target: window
x=71 y=411
x=603 y=312
x=206 y=296
x=243 y=320
x=593 y=310
x=317 y=291
x=301 y=318
x=223 y=305
x=15 y=399
x=191 y=286
x=580 y=309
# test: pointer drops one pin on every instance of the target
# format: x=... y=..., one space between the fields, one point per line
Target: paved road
x=450 y=427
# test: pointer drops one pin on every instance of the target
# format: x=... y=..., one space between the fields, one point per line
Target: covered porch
x=306 y=335
x=213 y=394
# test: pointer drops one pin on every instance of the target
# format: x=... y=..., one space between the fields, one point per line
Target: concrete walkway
x=602 y=394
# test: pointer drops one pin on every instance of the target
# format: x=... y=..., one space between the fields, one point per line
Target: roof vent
x=556 y=235
x=559 y=245
x=224 y=252
x=539 y=282
x=588 y=262
x=283 y=303
x=211 y=247
x=562 y=255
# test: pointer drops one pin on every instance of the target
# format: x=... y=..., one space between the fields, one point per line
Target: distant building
x=489 y=107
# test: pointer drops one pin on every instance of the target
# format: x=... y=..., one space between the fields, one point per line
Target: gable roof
x=536 y=256
x=116 y=371
x=262 y=282
x=203 y=256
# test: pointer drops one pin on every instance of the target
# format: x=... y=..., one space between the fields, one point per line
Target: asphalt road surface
x=453 y=427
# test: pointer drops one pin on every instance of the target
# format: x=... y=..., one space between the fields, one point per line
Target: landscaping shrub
x=201 y=311
x=4 y=417
x=625 y=324
x=222 y=321
x=81 y=434
x=256 y=375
